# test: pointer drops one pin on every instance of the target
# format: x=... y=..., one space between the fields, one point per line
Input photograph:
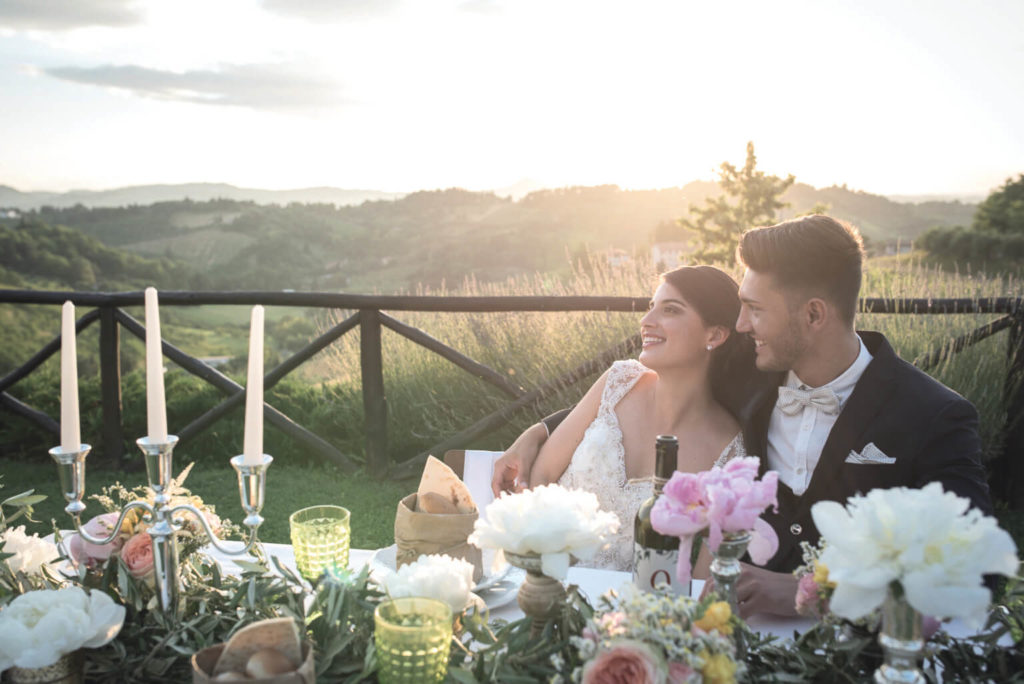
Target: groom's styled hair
x=817 y=254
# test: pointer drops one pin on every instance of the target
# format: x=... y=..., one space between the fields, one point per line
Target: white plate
x=495 y=589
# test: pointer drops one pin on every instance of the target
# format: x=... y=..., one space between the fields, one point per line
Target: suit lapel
x=756 y=415
x=857 y=414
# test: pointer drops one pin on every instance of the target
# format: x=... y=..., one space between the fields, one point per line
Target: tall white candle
x=156 y=409
x=252 y=452
x=70 y=433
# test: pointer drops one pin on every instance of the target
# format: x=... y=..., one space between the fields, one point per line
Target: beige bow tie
x=793 y=400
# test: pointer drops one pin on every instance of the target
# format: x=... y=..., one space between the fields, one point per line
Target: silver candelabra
x=164 y=526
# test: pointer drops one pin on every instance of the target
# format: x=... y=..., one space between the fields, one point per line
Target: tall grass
x=430 y=399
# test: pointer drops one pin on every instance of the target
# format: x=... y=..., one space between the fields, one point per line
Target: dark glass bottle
x=655 y=555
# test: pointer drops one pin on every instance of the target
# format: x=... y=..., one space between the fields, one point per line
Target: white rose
x=30 y=553
x=41 y=626
x=436 y=576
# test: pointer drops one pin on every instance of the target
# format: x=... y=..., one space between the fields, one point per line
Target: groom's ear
x=816 y=311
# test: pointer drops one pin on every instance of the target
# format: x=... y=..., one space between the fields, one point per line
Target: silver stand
x=163 y=525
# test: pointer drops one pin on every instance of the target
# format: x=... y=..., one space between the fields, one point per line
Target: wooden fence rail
x=370 y=318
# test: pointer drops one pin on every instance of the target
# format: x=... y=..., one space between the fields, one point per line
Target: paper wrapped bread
x=441 y=490
x=437 y=519
x=276 y=634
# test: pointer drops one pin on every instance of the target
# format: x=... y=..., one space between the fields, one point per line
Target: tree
x=1003 y=210
x=751 y=199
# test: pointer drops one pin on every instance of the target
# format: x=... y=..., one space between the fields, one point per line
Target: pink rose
x=91 y=554
x=137 y=554
x=929 y=626
x=679 y=673
x=807 y=598
x=629 y=662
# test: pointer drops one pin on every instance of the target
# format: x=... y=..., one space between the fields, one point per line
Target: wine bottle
x=655 y=555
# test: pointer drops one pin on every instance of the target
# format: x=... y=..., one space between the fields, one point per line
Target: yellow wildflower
x=821 y=575
x=716 y=618
x=718 y=669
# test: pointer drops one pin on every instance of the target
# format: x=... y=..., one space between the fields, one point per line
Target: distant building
x=618 y=257
x=668 y=255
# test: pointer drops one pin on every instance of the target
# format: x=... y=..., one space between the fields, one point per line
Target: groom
x=835 y=412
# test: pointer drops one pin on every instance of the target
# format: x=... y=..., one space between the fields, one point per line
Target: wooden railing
x=370 y=318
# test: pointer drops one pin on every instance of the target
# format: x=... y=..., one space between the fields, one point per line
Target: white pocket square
x=870 y=455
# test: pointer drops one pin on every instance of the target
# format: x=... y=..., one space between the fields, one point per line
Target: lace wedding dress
x=599 y=465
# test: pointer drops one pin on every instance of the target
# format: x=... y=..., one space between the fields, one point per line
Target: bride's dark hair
x=715 y=296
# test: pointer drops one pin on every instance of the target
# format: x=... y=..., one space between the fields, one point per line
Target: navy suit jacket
x=930 y=431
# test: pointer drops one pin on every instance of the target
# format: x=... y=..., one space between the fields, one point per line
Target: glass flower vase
x=725 y=567
x=901 y=641
x=540 y=597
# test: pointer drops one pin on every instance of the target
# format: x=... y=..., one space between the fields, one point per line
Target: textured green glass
x=413 y=639
x=320 y=539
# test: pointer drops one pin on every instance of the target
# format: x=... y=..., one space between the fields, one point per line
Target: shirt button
x=796 y=529
x=799 y=471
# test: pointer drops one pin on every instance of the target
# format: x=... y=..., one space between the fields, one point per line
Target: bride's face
x=673 y=332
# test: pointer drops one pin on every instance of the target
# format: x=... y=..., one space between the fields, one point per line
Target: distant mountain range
x=11 y=198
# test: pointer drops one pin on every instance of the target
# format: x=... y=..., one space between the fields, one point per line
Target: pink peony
x=91 y=554
x=722 y=500
x=137 y=554
x=629 y=662
x=679 y=673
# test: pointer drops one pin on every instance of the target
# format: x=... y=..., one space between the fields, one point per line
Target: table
x=592 y=584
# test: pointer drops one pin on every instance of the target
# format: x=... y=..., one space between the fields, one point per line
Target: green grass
x=289 y=488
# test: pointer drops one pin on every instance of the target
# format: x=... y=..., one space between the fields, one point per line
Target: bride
x=690 y=353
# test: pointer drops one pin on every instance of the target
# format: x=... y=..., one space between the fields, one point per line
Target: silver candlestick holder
x=163 y=520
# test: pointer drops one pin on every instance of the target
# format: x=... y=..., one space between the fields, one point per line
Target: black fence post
x=110 y=387
x=375 y=407
x=1008 y=476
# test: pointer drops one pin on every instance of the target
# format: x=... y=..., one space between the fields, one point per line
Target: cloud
x=277 y=87
x=62 y=15
x=328 y=10
x=481 y=7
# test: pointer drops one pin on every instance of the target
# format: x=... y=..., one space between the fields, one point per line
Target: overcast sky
x=893 y=97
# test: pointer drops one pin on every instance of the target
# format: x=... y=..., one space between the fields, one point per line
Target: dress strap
x=622 y=376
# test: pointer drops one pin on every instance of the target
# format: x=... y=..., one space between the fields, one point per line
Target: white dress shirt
x=795 y=441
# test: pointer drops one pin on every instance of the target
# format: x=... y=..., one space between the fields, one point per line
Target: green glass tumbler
x=320 y=539
x=413 y=639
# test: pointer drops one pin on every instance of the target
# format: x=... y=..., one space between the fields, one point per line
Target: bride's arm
x=557 y=451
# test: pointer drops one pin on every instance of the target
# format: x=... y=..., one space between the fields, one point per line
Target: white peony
x=438 y=576
x=928 y=540
x=39 y=627
x=549 y=520
x=30 y=553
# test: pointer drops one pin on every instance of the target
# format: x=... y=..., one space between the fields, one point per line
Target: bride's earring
x=710 y=347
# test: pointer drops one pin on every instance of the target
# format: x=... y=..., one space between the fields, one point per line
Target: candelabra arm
x=117 y=526
x=212 y=536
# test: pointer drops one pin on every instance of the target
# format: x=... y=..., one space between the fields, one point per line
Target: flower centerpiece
x=539 y=530
x=434 y=576
x=910 y=551
x=656 y=637
x=548 y=521
x=133 y=545
x=725 y=503
x=40 y=627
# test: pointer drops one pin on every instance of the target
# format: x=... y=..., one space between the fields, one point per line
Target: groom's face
x=768 y=317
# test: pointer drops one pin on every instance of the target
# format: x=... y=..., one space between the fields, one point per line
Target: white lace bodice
x=599 y=465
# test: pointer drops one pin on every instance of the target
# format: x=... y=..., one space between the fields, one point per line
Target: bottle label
x=653 y=568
